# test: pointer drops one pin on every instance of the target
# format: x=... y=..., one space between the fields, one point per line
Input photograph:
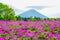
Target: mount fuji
x=31 y=13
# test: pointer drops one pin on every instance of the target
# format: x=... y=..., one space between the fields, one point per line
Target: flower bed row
x=30 y=30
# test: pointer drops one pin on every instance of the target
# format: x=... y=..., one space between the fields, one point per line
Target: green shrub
x=6 y=13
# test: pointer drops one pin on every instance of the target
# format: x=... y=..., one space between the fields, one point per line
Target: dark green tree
x=57 y=18
x=18 y=17
x=31 y=18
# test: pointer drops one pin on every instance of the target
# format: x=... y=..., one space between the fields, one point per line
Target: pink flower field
x=30 y=30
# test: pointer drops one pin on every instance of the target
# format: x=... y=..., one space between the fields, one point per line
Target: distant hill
x=32 y=13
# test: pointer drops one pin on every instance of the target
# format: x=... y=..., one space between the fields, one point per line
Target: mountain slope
x=32 y=13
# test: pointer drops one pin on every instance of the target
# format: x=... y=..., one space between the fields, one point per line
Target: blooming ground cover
x=30 y=30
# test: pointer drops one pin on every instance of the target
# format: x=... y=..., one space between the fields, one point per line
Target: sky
x=50 y=8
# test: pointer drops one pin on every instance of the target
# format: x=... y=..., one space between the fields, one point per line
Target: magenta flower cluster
x=19 y=30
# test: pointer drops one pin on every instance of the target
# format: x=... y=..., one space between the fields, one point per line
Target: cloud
x=21 y=4
x=38 y=7
x=51 y=12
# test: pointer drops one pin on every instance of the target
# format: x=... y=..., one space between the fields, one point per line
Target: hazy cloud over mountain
x=38 y=7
